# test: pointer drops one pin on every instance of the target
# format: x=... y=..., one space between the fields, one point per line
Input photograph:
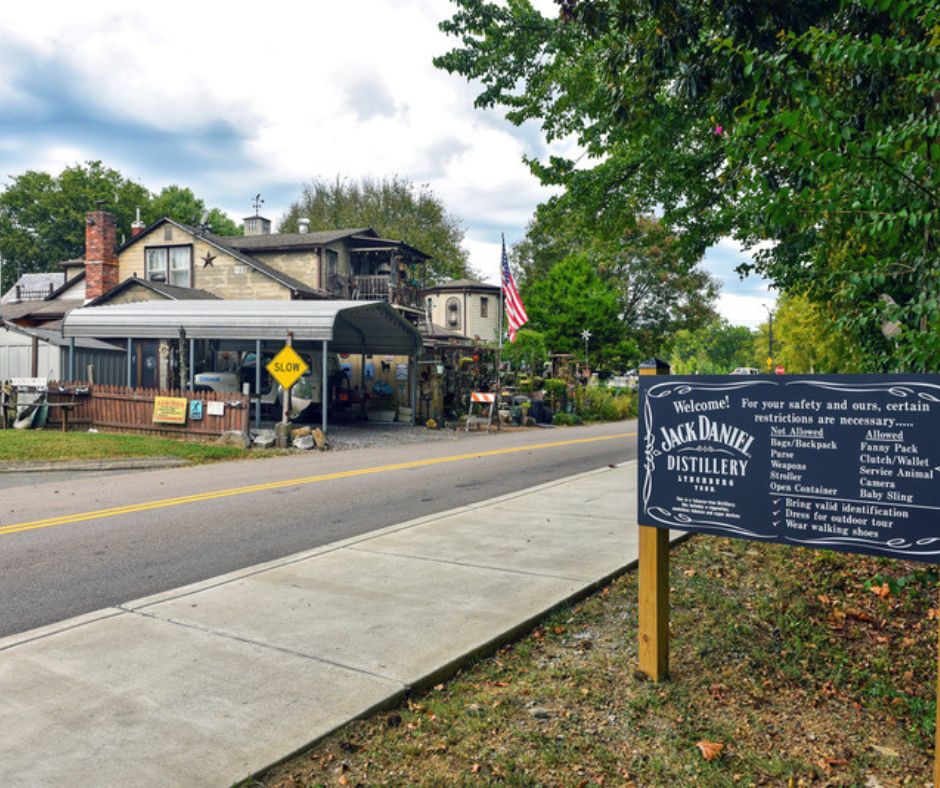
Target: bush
x=567 y=419
x=556 y=387
x=598 y=404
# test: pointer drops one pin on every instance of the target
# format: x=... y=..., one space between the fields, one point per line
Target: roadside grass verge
x=52 y=446
x=807 y=667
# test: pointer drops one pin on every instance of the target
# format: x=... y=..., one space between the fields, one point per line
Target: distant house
x=465 y=306
x=44 y=299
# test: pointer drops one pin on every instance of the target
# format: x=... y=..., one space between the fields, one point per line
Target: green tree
x=395 y=208
x=181 y=204
x=714 y=349
x=810 y=125
x=573 y=297
x=807 y=339
x=530 y=350
x=660 y=289
x=42 y=216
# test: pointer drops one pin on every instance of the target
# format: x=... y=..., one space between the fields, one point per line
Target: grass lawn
x=50 y=445
x=807 y=668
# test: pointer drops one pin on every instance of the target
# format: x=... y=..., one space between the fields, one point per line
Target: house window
x=167 y=233
x=484 y=306
x=453 y=312
x=169 y=264
x=430 y=305
x=332 y=259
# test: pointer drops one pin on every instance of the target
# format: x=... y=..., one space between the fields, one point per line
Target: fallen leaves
x=710 y=749
x=883 y=591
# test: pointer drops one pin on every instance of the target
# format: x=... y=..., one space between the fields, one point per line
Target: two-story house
x=171 y=260
x=350 y=264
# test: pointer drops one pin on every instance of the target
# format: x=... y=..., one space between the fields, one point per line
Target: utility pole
x=770 y=338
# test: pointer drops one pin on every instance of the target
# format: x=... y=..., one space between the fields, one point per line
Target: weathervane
x=257 y=203
x=586 y=336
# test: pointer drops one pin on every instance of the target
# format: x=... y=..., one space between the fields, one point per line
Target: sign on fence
x=169 y=410
x=838 y=462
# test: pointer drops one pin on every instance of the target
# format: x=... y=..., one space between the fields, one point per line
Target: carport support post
x=130 y=357
x=257 y=384
x=324 y=388
x=71 y=359
x=184 y=362
x=653 y=600
x=414 y=388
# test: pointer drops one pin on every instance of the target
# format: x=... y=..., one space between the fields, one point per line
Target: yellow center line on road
x=164 y=503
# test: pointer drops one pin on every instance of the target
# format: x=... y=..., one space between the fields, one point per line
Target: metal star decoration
x=207 y=260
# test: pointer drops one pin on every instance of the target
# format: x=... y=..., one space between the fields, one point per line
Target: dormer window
x=170 y=264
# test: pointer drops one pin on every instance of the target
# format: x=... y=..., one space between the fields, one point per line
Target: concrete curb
x=118 y=464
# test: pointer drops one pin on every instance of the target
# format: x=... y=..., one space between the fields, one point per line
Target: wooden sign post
x=835 y=462
x=654 y=582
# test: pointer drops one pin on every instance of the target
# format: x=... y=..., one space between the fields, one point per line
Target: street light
x=586 y=335
x=770 y=336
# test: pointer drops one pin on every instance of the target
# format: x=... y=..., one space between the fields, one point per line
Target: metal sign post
x=286 y=368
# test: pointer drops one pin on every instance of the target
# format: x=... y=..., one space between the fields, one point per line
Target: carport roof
x=349 y=326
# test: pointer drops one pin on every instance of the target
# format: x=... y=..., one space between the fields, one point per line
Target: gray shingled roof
x=290 y=240
x=34 y=283
x=172 y=292
x=461 y=284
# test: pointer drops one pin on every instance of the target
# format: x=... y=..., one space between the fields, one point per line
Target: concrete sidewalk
x=207 y=684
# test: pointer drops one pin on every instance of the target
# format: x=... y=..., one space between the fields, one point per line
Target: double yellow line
x=164 y=503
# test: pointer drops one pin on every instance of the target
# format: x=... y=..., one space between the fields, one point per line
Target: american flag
x=515 y=311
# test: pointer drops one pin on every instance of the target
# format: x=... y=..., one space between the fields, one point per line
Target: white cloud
x=299 y=90
x=745 y=310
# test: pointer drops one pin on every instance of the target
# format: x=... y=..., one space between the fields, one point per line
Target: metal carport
x=340 y=326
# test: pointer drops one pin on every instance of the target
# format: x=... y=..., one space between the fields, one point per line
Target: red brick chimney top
x=101 y=264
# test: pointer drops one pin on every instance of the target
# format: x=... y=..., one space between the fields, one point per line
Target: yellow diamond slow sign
x=287 y=367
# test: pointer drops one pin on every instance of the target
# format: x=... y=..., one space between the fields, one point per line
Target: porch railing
x=379 y=287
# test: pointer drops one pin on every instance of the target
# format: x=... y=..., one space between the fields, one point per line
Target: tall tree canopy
x=42 y=216
x=395 y=208
x=659 y=289
x=573 y=297
x=813 y=126
x=806 y=341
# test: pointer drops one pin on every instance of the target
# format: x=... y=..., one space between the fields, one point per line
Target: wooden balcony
x=375 y=287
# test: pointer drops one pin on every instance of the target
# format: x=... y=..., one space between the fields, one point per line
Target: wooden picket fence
x=131 y=410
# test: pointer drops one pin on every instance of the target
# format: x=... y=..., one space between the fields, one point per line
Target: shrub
x=567 y=419
x=600 y=404
x=556 y=387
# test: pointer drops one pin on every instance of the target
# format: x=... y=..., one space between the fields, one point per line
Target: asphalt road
x=68 y=547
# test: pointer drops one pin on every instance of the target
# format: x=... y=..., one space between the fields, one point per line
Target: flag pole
x=499 y=347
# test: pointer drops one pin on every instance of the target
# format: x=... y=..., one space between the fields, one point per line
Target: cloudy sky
x=236 y=98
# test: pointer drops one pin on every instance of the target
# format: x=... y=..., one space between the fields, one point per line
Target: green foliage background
x=395 y=208
x=809 y=131
x=42 y=216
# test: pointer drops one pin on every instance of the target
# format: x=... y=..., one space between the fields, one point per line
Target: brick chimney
x=101 y=264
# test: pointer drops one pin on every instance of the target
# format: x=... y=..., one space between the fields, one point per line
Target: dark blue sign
x=842 y=462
